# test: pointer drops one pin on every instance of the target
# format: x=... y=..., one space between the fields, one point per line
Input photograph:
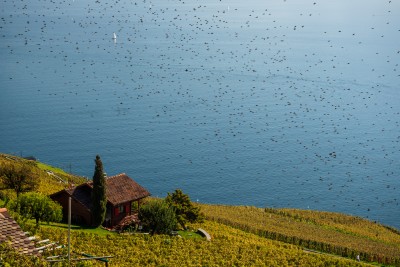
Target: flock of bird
x=281 y=90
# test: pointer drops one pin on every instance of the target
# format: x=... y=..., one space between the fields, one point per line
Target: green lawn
x=102 y=232
x=190 y=235
x=46 y=167
x=98 y=231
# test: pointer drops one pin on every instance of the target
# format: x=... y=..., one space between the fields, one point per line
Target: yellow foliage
x=229 y=247
x=326 y=231
x=51 y=179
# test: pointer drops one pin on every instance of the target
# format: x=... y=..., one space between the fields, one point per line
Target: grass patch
x=103 y=232
x=46 y=167
x=190 y=235
x=92 y=230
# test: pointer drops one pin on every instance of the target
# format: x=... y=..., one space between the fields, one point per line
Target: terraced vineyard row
x=329 y=232
x=344 y=223
x=229 y=247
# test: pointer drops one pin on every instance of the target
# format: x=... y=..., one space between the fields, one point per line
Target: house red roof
x=119 y=189
x=11 y=232
x=82 y=194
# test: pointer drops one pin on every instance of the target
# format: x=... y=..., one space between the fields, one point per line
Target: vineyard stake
x=69 y=231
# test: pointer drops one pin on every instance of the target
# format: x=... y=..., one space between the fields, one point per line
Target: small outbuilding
x=123 y=194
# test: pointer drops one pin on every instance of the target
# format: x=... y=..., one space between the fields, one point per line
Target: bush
x=158 y=217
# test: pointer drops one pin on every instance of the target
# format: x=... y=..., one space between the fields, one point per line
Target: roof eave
x=132 y=200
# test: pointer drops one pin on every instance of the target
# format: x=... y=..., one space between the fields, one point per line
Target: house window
x=121 y=209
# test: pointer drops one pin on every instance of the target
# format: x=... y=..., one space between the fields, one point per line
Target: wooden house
x=123 y=195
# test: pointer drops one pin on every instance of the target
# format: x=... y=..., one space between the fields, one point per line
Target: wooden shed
x=123 y=196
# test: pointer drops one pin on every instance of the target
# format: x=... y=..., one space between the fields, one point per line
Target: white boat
x=114 y=36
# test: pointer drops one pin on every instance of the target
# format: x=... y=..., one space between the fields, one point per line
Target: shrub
x=158 y=217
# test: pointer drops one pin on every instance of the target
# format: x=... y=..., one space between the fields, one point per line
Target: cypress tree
x=99 y=199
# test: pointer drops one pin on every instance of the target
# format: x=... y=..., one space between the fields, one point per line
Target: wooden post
x=69 y=231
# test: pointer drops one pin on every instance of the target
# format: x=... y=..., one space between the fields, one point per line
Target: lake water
x=266 y=103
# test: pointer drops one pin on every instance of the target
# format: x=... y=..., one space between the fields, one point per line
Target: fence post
x=69 y=231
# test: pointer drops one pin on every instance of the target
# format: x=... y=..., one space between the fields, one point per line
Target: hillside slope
x=51 y=179
x=245 y=236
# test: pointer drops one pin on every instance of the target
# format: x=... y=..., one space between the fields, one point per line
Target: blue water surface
x=266 y=103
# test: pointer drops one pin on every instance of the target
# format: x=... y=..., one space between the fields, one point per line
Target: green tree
x=99 y=198
x=18 y=177
x=158 y=217
x=184 y=208
x=37 y=206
